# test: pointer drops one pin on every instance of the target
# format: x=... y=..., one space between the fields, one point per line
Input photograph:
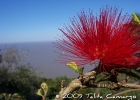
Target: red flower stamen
x=107 y=38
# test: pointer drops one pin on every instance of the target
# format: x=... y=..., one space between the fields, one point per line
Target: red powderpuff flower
x=107 y=39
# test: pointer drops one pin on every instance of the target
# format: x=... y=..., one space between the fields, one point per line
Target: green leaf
x=76 y=68
x=39 y=92
x=44 y=86
x=135 y=17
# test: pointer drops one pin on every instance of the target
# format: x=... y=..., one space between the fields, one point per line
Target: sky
x=40 y=20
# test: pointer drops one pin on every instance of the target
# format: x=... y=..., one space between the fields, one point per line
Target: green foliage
x=42 y=91
x=15 y=76
x=15 y=96
x=25 y=80
x=55 y=86
x=138 y=15
x=135 y=17
x=76 y=68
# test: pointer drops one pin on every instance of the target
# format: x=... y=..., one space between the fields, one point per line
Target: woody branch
x=87 y=81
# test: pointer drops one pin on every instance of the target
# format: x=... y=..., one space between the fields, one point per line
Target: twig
x=123 y=92
x=130 y=85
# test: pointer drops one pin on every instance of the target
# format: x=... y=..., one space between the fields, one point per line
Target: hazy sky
x=39 y=20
